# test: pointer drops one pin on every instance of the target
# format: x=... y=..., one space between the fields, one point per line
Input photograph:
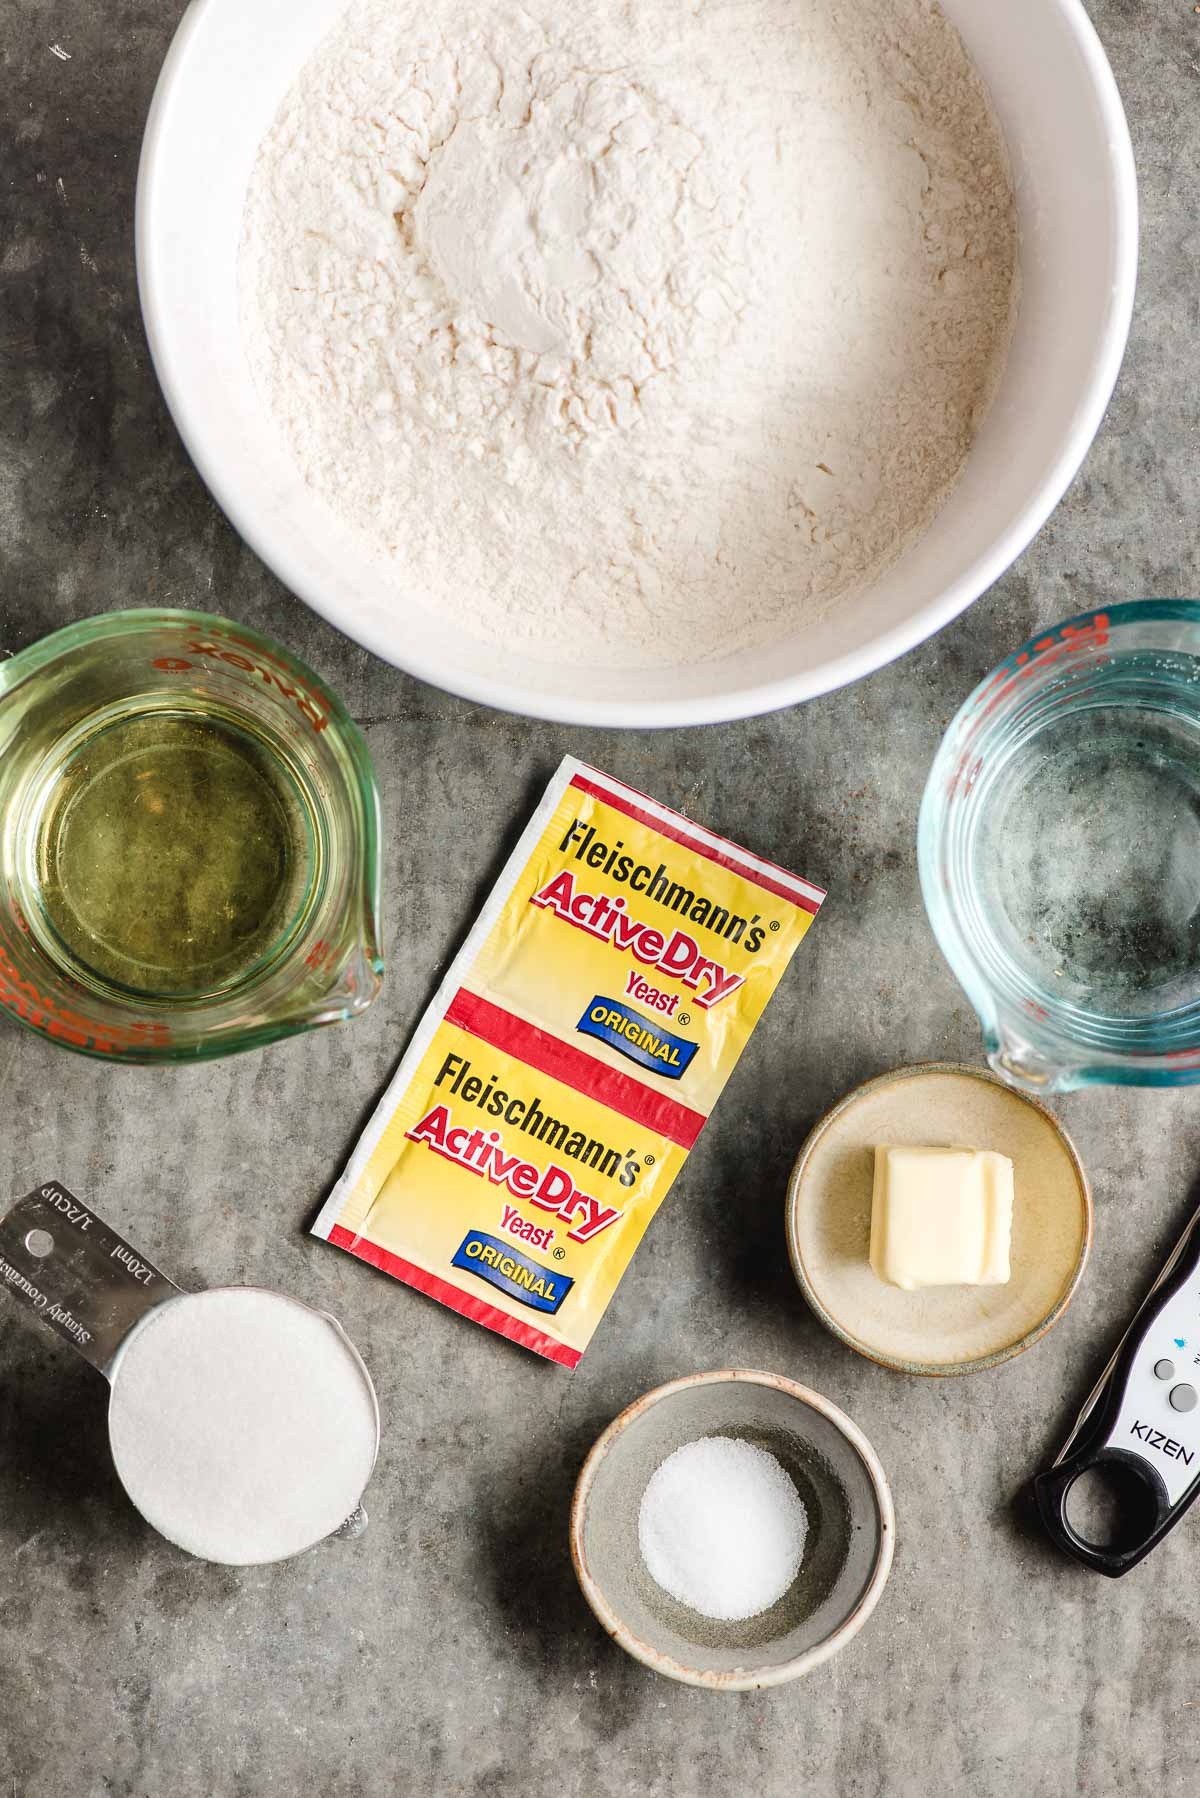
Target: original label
x=637 y=1037
x=505 y=1267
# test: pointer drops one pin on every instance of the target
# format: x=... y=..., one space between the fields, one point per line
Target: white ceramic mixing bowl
x=221 y=84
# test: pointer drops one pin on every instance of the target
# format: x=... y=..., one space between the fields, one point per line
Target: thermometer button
x=1164 y=1370
x=1182 y=1398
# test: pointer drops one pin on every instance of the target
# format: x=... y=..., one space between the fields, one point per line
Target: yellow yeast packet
x=578 y=1042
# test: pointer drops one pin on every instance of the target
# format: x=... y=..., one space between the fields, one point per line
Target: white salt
x=722 y=1528
x=243 y=1424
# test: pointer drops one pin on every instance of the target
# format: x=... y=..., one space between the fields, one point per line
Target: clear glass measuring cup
x=120 y=730
x=1059 y=849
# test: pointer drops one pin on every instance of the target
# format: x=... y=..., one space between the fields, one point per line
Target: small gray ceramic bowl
x=848 y=1556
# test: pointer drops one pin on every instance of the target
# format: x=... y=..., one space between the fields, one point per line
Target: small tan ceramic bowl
x=946 y=1329
x=851 y=1531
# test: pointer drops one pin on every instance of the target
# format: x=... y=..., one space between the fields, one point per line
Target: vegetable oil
x=173 y=852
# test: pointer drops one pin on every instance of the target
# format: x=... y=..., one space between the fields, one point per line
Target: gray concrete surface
x=449 y=1652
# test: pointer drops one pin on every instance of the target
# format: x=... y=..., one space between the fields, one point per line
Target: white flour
x=241 y=1424
x=638 y=332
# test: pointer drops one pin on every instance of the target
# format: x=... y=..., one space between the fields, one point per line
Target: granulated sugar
x=631 y=333
x=241 y=1424
x=722 y=1528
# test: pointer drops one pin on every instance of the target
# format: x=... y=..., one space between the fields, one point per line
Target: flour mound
x=637 y=337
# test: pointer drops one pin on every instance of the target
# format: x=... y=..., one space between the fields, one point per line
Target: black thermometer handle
x=1149 y=1512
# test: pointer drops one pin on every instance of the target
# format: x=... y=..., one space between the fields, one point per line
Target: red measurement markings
x=26 y=1000
x=1069 y=641
x=309 y=701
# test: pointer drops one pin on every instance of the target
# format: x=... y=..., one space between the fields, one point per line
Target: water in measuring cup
x=172 y=851
x=1087 y=858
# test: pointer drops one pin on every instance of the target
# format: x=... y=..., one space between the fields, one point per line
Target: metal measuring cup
x=74 y=1272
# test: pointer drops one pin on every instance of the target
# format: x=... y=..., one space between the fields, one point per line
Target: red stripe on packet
x=465 y=1303
x=809 y=902
x=582 y=1072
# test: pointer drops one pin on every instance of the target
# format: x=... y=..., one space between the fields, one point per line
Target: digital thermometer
x=1140 y=1423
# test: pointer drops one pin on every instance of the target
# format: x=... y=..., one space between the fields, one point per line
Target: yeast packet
x=580 y=1039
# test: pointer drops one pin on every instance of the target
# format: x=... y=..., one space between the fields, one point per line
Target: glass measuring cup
x=62 y=1262
x=317 y=957
x=1059 y=849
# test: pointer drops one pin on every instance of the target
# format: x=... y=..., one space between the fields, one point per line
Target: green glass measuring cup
x=1059 y=848
x=189 y=841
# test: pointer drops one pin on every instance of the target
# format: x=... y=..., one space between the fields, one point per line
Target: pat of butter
x=941 y=1217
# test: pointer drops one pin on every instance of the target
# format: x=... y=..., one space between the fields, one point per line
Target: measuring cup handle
x=71 y=1269
x=1052 y=1487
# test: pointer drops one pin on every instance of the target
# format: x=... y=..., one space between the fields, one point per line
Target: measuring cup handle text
x=73 y=1271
